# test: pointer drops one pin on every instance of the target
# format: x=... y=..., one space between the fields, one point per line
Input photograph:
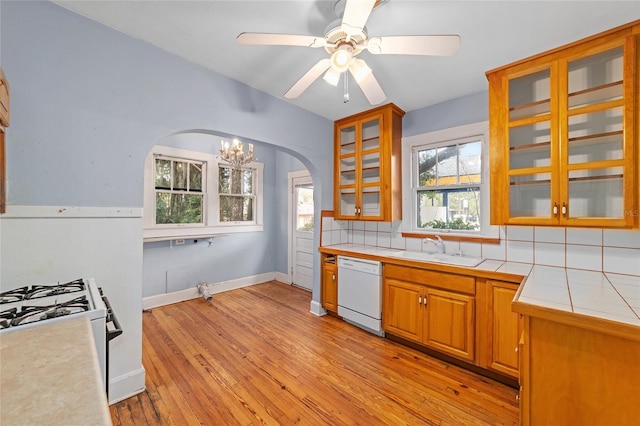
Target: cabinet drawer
x=458 y=283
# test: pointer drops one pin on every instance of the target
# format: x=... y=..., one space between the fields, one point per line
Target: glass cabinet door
x=594 y=136
x=531 y=144
x=370 y=169
x=347 y=171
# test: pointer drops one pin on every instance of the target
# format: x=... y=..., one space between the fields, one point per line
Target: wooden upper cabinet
x=564 y=135
x=367 y=165
x=4 y=100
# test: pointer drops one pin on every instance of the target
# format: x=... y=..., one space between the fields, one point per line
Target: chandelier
x=235 y=155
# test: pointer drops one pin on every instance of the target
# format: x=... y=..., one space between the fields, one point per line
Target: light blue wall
x=89 y=103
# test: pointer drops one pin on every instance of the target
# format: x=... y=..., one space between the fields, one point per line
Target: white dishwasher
x=360 y=293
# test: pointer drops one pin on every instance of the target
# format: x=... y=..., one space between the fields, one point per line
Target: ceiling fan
x=345 y=39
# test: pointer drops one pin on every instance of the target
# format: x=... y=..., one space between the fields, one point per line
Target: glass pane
x=371 y=135
x=427 y=167
x=236 y=209
x=530 y=195
x=447 y=167
x=470 y=162
x=348 y=202
x=163 y=174
x=304 y=208
x=371 y=168
x=179 y=172
x=224 y=179
x=348 y=140
x=530 y=146
x=596 y=78
x=348 y=171
x=370 y=201
x=596 y=193
x=195 y=177
x=529 y=95
x=178 y=208
x=449 y=209
x=247 y=181
x=595 y=136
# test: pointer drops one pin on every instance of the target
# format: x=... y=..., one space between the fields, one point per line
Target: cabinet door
x=347 y=171
x=450 y=323
x=505 y=329
x=371 y=169
x=330 y=287
x=402 y=312
x=596 y=131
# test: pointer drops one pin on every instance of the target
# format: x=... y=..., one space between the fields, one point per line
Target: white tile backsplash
x=584 y=257
x=584 y=236
x=549 y=254
x=520 y=233
x=549 y=235
x=621 y=260
x=519 y=251
x=613 y=251
x=621 y=238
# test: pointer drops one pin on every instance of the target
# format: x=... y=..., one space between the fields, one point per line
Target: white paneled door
x=301 y=230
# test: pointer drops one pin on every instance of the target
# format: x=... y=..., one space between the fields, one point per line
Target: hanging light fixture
x=234 y=153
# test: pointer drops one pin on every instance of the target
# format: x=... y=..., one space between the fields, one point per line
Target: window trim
x=211 y=225
x=409 y=180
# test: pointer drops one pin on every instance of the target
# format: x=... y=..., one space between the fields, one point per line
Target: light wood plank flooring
x=258 y=356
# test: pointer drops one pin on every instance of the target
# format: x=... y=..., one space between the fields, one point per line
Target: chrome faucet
x=439 y=243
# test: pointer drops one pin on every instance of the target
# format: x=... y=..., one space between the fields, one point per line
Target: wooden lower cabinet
x=577 y=376
x=329 y=287
x=423 y=307
x=505 y=328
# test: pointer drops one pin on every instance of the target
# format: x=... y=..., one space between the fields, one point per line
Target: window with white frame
x=191 y=193
x=449 y=192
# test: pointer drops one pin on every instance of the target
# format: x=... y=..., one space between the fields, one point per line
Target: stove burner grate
x=30 y=314
x=15 y=295
x=6 y=316
x=38 y=291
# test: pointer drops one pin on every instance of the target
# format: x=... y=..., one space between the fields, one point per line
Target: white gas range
x=32 y=306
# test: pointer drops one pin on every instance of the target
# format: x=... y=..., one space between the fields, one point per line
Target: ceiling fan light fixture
x=360 y=70
x=332 y=77
x=341 y=58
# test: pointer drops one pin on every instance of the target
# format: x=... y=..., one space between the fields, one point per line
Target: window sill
x=167 y=234
x=454 y=237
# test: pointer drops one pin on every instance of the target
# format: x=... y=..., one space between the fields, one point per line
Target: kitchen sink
x=449 y=259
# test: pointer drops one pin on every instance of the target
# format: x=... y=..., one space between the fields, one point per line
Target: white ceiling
x=493 y=33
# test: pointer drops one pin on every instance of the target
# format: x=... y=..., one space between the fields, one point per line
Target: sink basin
x=449 y=259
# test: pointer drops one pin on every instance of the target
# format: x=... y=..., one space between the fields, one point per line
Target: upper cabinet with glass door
x=367 y=165
x=564 y=135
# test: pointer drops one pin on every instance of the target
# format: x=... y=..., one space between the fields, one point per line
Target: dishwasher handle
x=362 y=265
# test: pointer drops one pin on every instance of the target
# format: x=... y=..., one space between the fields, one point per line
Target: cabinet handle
x=555 y=209
x=333 y=277
x=516 y=349
x=564 y=209
x=419 y=300
x=518 y=397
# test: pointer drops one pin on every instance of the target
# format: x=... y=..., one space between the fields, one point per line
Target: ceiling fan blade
x=310 y=76
x=280 y=40
x=371 y=89
x=436 y=45
x=356 y=13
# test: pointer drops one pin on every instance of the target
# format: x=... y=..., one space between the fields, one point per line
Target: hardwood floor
x=257 y=356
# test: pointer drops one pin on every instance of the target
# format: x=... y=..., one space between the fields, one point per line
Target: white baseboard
x=283 y=278
x=317 y=309
x=126 y=386
x=192 y=293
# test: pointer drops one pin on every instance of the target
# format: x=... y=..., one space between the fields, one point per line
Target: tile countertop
x=50 y=375
x=605 y=302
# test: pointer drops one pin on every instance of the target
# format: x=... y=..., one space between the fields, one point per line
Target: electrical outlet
x=179 y=242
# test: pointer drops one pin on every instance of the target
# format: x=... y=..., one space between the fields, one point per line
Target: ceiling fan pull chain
x=346 y=87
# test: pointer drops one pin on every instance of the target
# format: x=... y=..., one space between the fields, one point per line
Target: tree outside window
x=237 y=194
